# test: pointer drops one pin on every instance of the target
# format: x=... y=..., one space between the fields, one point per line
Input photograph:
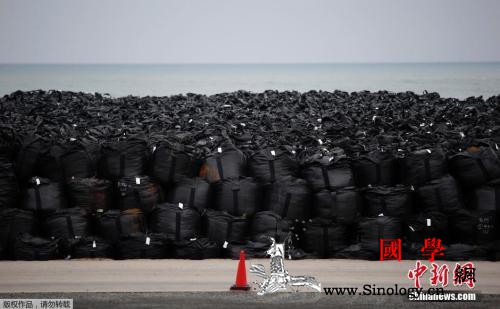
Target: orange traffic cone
x=241 y=276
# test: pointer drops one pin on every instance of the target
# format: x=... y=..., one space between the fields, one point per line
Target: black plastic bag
x=270 y=224
x=91 y=247
x=9 y=189
x=475 y=166
x=142 y=246
x=70 y=223
x=31 y=248
x=43 y=195
x=138 y=192
x=27 y=158
x=176 y=221
x=194 y=192
x=343 y=205
x=171 y=163
x=238 y=197
x=324 y=237
x=288 y=197
x=222 y=227
x=371 y=230
x=196 y=249
x=79 y=161
x=427 y=225
x=441 y=194
x=422 y=166
x=270 y=164
x=14 y=222
x=125 y=158
x=389 y=201
x=113 y=224
x=91 y=194
x=226 y=163
x=376 y=169
x=328 y=173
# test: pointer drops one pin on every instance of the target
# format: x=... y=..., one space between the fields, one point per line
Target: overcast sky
x=204 y=31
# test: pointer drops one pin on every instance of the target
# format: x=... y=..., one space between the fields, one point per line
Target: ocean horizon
x=449 y=79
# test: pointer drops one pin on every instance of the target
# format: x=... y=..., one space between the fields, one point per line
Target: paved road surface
x=95 y=283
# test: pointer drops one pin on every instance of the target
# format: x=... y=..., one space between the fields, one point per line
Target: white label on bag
x=381 y=215
x=94 y=244
x=319 y=120
x=137 y=181
x=412 y=188
x=181 y=206
x=100 y=210
x=294 y=152
x=190 y=120
x=428 y=222
x=374 y=117
x=219 y=150
x=37 y=180
x=154 y=148
x=411 y=228
x=330 y=159
x=462 y=135
x=148 y=240
x=243 y=125
x=496 y=146
x=72 y=139
x=320 y=141
x=192 y=239
x=273 y=153
x=429 y=151
x=225 y=245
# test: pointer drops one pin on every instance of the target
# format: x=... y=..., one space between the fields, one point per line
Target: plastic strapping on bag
x=427 y=169
x=171 y=173
x=483 y=169
x=69 y=224
x=229 y=229
x=326 y=177
x=178 y=226
x=122 y=164
x=325 y=241
x=287 y=205
x=236 y=206
x=192 y=196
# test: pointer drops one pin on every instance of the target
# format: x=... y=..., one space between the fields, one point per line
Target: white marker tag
x=181 y=206
x=94 y=244
x=243 y=125
x=429 y=151
x=374 y=117
x=273 y=153
x=496 y=146
x=137 y=181
x=154 y=148
x=225 y=245
x=190 y=120
x=412 y=188
x=411 y=228
x=462 y=135
x=72 y=139
x=381 y=215
x=148 y=240
x=428 y=222
x=192 y=239
x=320 y=141
x=219 y=150
x=100 y=210
x=294 y=152
x=37 y=180
x=319 y=119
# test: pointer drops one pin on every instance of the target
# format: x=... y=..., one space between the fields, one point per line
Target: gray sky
x=203 y=31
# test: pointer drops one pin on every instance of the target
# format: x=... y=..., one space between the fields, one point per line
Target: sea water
x=460 y=80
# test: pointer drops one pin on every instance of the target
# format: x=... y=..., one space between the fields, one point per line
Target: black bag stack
x=84 y=175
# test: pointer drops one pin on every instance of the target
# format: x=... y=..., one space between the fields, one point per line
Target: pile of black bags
x=196 y=177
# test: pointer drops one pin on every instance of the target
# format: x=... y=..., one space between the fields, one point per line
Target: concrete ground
x=203 y=284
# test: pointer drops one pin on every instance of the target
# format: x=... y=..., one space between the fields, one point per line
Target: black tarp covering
x=176 y=222
x=343 y=205
x=194 y=192
x=238 y=197
x=138 y=192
